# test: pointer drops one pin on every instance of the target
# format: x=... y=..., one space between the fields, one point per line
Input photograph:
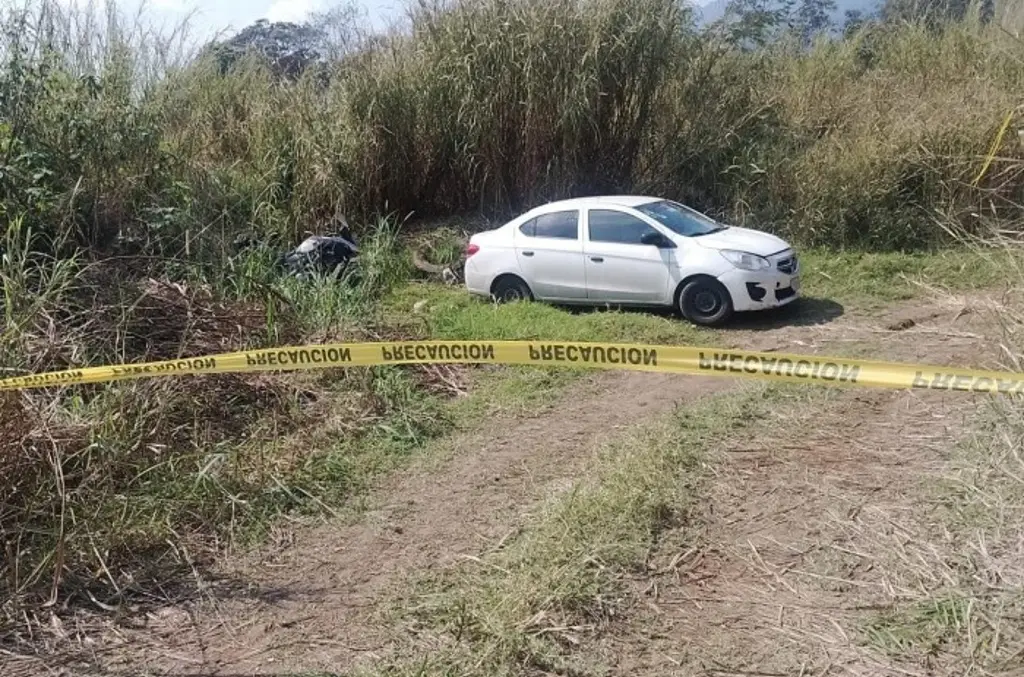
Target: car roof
x=616 y=200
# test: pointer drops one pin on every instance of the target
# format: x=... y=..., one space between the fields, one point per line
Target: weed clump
x=119 y=494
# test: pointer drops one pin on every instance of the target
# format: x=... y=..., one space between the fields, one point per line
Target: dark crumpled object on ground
x=322 y=254
x=317 y=255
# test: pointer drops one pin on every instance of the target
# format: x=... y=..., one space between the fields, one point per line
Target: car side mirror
x=655 y=239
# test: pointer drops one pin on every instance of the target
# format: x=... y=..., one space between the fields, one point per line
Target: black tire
x=510 y=288
x=706 y=302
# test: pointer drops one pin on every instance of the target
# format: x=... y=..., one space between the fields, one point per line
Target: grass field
x=130 y=166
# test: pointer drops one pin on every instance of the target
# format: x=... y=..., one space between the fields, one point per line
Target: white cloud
x=291 y=10
x=74 y=4
x=131 y=7
x=178 y=6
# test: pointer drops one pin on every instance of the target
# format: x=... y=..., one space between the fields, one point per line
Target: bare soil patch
x=813 y=528
x=805 y=529
x=308 y=601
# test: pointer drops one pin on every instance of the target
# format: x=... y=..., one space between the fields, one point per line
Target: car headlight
x=745 y=260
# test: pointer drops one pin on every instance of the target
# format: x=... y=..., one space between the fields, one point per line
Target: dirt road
x=823 y=488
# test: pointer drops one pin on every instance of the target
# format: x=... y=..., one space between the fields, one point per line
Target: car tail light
x=472 y=249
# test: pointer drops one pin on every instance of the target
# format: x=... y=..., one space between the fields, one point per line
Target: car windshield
x=680 y=219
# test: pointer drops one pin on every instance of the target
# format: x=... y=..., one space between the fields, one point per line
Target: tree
x=932 y=12
x=814 y=17
x=756 y=22
x=288 y=48
x=339 y=30
x=853 y=20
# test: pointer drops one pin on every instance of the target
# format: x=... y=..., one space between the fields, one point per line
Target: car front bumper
x=761 y=290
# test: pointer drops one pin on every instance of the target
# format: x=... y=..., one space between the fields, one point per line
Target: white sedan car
x=633 y=251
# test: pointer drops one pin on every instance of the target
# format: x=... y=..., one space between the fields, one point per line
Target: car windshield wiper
x=708 y=232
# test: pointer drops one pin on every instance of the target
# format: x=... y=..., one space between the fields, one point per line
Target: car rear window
x=557 y=225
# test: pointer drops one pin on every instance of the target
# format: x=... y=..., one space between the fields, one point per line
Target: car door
x=549 y=249
x=619 y=267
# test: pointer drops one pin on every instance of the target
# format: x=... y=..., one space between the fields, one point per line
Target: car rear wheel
x=510 y=288
x=705 y=301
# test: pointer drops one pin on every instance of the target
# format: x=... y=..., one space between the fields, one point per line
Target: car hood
x=743 y=239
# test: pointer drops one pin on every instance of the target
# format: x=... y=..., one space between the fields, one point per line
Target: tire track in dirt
x=310 y=605
x=815 y=525
x=317 y=597
x=795 y=548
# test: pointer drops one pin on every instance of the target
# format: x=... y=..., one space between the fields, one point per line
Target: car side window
x=557 y=225
x=607 y=225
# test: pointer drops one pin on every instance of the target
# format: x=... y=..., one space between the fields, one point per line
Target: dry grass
x=490 y=107
x=89 y=489
x=116 y=497
x=961 y=608
x=113 y=143
x=957 y=584
x=528 y=602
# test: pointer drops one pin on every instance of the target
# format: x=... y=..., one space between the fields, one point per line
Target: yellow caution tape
x=996 y=143
x=671 y=359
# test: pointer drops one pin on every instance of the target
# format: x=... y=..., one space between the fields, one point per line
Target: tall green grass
x=493 y=106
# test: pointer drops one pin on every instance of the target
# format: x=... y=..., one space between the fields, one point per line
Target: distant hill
x=715 y=10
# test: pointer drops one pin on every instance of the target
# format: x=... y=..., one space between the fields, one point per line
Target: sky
x=210 y=17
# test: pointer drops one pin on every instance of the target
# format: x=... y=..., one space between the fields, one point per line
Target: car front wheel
x=706 y=302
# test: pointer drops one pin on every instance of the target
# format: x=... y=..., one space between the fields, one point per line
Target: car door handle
x=597 y=259
x=527 y=253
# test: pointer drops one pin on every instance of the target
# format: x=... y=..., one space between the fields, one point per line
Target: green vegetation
x=926 y=627
x=452 y=314
x=858 y=279
x=846 y=280
x=566 y=572
x=128 y=169
x=109 y=490
x=875 y=140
